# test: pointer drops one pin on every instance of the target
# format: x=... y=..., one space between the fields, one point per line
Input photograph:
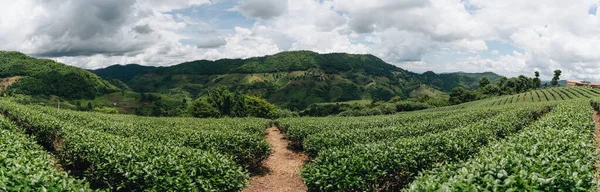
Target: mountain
x=44 y=77
x=293 y=79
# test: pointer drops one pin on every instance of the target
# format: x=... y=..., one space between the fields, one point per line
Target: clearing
x=6 y=82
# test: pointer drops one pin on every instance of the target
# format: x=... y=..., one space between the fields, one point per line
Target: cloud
x=211 y=43
x=407 y=33
x=143 y=29
x=262 y=9
x=85 y=28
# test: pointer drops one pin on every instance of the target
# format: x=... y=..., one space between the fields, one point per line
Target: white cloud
x=263 y=9
x=96 y=33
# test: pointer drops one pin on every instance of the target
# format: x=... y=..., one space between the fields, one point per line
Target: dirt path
x=284 y=167
x=597 y=138
x=6 y=82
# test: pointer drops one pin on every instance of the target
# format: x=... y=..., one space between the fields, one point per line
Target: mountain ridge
x=293 y=79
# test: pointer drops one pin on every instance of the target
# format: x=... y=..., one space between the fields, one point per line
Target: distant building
x=575 y=83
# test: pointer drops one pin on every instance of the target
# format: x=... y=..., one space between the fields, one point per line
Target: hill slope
x=46 y=77
x=291 y=79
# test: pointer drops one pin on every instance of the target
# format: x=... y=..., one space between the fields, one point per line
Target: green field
x=535 y=141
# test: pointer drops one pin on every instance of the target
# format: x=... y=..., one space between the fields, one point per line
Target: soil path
x=597 y=138
x=284 y=167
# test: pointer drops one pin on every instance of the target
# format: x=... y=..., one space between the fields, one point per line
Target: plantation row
x=331 y=138
x=556 y=153
x=125 y=161
x=297 y=129
x=26 y=166
x=543 y=95
x=543 y=143
x=389 y=165
x=349 y=155
x=240 y=138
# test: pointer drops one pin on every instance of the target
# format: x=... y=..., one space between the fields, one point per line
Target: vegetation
x=46 y=77
x=219 y=102
x=505 y=86
x=374 y=127
x=537 y=140
x=26 y=166
x=489 y=136
x=381 y=166
x=102 y=154
x=363 y=109
x=293 y=80
x=553 y=154
x=556 y=77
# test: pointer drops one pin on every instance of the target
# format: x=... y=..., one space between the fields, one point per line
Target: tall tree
x=483 y=82
x=536 y=81
x=460 y=95
x=556 y=77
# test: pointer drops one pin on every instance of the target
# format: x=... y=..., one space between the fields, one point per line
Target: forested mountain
x=291 y=79
x=44 y=77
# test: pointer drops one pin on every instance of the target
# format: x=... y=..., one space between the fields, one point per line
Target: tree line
x=505 y=86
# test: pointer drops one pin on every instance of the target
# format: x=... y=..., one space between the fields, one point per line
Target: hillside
x=292 y=80
x=44 y=77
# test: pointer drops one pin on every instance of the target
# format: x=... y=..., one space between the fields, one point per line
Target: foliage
x=43 y=77
x=505 y=86
x=26 y=166
x=259 y=107
x=549 y=94
x=484 y=82
x=388 y=165
x=293 y=80
x=328 y=139
x=220 y=102
x=106 y=110
x=553 y=154
x=556 y=77
x=348 y=109
x=203 y=108
x=460 y=95
x=105 y=159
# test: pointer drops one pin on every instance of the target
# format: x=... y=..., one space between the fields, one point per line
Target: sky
x=509 y=37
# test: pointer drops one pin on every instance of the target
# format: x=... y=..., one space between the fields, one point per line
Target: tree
x=491 y=90
x=556 y=77
x=259 y=107
x=483 y=82
x=460 y=95
x=202 y=108
x=536 y=81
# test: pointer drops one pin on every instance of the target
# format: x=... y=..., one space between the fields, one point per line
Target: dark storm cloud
x=67 y=49
x=143 y=29
x=84 y=28
x=211 y=43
